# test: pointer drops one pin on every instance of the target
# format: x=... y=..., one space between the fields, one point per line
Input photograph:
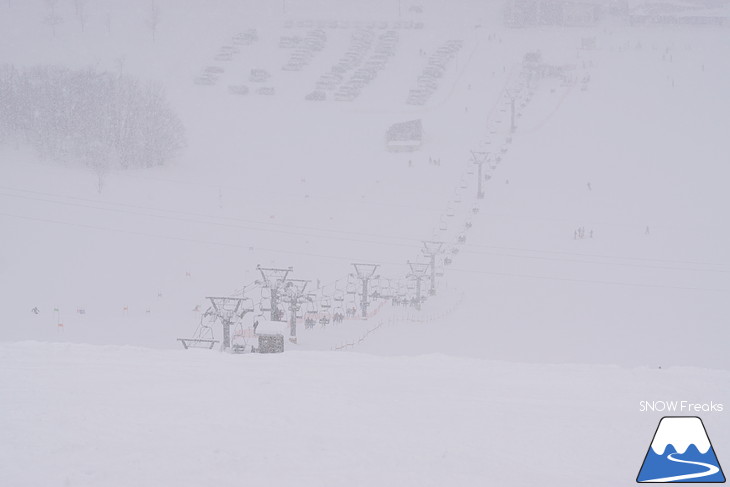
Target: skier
x=35 y=310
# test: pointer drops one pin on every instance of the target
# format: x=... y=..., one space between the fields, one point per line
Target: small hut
x=270 y=336
x=404 y=136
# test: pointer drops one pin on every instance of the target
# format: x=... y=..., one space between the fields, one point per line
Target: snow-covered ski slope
x=638 y=159
x=458 y=393
x=84 y=415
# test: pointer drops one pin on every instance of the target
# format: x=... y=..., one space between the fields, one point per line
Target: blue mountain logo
x=681 y=452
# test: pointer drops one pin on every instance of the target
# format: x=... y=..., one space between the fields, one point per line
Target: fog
x=442 y=213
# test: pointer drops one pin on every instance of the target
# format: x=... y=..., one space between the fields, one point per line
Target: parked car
x=238 y=89
x=259 y=76
x=266 y=90
x=316 y=96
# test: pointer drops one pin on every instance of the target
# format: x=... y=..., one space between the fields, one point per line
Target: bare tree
x=120 y=61
x=80 y=9
x=52 y=19
x=154 y=19
x=100 y=169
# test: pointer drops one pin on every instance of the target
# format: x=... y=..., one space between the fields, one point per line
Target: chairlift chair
x=203 y=336
x=325 y=318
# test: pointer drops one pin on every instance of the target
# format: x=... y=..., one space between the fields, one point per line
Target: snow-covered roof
x=266 y=327
x=680 y=8
x=411 y=130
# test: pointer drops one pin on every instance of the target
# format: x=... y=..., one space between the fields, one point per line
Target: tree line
x=95 y=118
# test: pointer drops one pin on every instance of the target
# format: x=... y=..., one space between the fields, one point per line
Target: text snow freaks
x=679 y=407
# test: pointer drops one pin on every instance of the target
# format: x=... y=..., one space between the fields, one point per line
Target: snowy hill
x=84 y=415
x=624 y=148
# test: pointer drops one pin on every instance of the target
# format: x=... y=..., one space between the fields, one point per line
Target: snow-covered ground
x=84 y=415
x=537 y=344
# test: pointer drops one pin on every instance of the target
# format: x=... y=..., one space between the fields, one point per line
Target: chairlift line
x=327 y=305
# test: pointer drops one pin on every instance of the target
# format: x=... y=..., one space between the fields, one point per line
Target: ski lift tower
x=418 y=272
x=431 y=250
x=293 y=294
x=274 y=279
x=228 y=311
x=365 y=272
x=479 y=158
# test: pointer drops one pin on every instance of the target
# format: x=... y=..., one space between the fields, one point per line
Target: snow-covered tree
x=98 y=119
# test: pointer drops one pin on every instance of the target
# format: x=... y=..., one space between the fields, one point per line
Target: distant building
x=677 y=12
x=270 y=336
x=580 y=13
x=527 y=13
x=404 y=136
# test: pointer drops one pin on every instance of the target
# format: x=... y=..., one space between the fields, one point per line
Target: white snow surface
x=85 y=415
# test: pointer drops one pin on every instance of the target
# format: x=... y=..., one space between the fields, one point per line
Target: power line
x=187 y=240
x=623 y=264
x=229 y=225
x=308 y=254
x=580 y=254
x=592 y=281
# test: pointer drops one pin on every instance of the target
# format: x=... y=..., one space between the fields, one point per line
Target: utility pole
x=479 y=158
x=418 y=272
x=365 y=272
x=274 y=279
x=294 y=295
x=431 y=250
